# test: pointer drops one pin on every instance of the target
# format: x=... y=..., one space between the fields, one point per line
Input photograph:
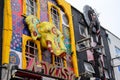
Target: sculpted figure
x=50 y=37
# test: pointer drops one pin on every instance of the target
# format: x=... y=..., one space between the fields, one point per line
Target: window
x=31 y=51
x=31 y=7
x=88 y=67
x=66 y=32
x=117 y=55
x=65 y=21
x=82 y=30
x=55 y=17
x=119 y=68
x=117 y=50
x=83 y=45
x=59 y=61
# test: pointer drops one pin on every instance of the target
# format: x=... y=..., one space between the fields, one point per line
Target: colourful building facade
x=20 y=49
x=52 y=40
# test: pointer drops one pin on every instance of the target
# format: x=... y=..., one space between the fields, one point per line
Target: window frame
x=30 y=51
x=26 y=38
x=116 y=50
x=31 y=7
x=55 y=17
x=50 y=5
x=37 y=10
x=85 y=34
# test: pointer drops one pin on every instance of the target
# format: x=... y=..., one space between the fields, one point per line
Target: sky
x=109 y=12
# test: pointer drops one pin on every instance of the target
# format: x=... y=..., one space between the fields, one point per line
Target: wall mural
x=15 y=58
x=66 y=34
x=43 y=10
x=17 y=23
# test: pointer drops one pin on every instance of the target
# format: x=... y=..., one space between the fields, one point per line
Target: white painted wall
x=114 y=41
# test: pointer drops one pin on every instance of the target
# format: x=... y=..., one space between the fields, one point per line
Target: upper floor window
x=119 y=68
x=31 y=7
x=66 y=31
x=65 y=21
x=82 y=30
x=55 y=17
x=117 y=50
x=31 y=51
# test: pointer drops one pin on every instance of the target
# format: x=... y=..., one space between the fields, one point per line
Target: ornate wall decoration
x=17 y=22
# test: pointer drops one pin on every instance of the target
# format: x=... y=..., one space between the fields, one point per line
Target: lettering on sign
x=50 y=69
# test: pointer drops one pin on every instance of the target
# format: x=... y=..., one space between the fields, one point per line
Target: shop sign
x=51 y=70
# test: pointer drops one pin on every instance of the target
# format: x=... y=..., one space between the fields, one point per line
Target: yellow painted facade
x=67 y=9
x=7 y=32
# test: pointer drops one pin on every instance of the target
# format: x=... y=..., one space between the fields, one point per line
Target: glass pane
x=82 y=30
x=31 y=7
x=31 y=51
x=119 y=68
x=55 y=17
x=65 y=19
